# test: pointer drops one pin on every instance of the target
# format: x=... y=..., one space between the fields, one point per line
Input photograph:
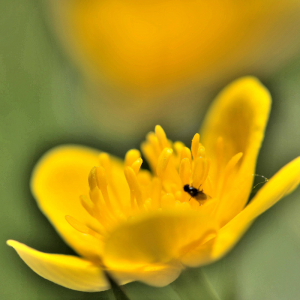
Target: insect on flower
x=197 y=194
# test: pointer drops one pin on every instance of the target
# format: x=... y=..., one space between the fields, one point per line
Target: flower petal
x=280 y=185
x=153 y=274
x=156 y=238
x=69 y=271
x=58 y=180
x=239 y=116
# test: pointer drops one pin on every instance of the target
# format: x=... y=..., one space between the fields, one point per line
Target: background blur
x=47 y=98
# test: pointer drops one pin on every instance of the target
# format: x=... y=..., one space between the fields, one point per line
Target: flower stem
x=194 y=285
x=210 y=287
x=117 y=290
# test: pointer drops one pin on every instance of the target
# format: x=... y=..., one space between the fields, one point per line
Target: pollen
x=180 y=178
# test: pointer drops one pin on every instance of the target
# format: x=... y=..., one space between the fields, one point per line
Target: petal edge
x=280 y=185
x=69 y=271
x=239 y=115
x=58 y=179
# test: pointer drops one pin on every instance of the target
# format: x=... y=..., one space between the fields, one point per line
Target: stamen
x=102 y=184
x=195 y=145
x=88 y=205
x=163 y=161
x=149 y=155
x=137 y=165
x=131 y=156
x=144 y=177
x=92 y=179
x=186 y=167
x=185 y=171
x=105 y=162
x=156 y=193
x=201 y=151
x=147 y=204
x=178 y=146
x=161 y=136
x=153 y=141
x=94 y=191
x=186 y=153
x=135 y=190
x=102 y=209
x=99 y=231
x=200 y=172
x=79 y=226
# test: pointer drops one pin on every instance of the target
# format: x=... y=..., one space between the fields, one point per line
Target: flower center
x=180 y=179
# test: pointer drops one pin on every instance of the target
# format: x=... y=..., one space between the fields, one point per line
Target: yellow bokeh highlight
x=153 y=47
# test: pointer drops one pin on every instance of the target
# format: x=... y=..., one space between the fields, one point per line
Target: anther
x=195 y=145
x=161 y=136
x=149 y=155
x=163 y=161
x=186 y=153
x=137 y=165
x=153 y=141
x=185 y=171
x=178 y=146
x=92 y=179
x=102 y=184
x=104 y=161
x=134 y=186
x=131 y=156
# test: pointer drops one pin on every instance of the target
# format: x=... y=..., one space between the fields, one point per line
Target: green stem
x=117 y=290
x=194 y=285
x=210 y=286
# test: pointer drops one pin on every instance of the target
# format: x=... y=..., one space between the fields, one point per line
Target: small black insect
x=197 y=194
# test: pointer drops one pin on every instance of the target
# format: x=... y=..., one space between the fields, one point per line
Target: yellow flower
x=150 y=47
x=148 y=226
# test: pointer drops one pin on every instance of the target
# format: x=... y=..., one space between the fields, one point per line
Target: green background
x=40 y=107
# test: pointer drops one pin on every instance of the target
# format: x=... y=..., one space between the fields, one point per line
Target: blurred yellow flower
x=158 y=46
x=148 y=226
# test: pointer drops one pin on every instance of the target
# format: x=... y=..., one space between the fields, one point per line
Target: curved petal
x=158 y=275
x=156 y=238
x=280 y=185
x=199 y=256
x=58 y=180
x=69 y=271
x=238 y=115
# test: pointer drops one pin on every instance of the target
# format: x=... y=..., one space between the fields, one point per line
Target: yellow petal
x=69 y=271
x=280 y=185
x=153 y=274
x=156 y=238
x=82 y=275
x=238 y=115
x=58 y=180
